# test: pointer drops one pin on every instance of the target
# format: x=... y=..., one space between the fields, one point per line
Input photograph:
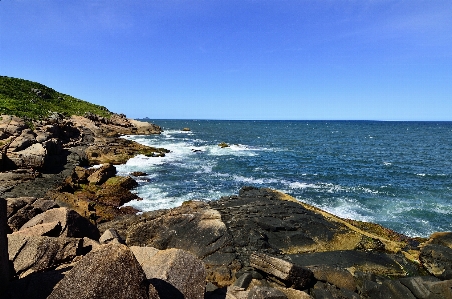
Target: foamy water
x=369 y=171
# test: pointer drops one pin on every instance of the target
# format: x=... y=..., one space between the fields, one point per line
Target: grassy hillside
x=35 y=101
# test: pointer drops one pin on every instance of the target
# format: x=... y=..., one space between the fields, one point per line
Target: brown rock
x=26 y=139
x=111 y=271
x=72 y=224
x=294 y=276
x=22 y=209
x=4 y=258
x=50 y=229
x=30 y=254
x=111 y=236
x=102 y=174
x=12 y=125
x=33 y=156
x=143 y=254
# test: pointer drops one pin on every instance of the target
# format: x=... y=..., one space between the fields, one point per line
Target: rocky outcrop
x=4 y=258
x=253 y=245
x=272 y=240
x=20 y=210
x=96 y=193
x=63 y=222
x=176 y=267
x=48 y=153
x=30 y=254
x=290 y=274
x=111 y=271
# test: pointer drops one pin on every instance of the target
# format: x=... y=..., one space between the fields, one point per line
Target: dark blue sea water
x=398 y=174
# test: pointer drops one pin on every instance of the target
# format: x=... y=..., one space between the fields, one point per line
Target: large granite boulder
x=23 y=209
x=111 y=271
x=31 y=254
x=71 y=224
x=172 y=272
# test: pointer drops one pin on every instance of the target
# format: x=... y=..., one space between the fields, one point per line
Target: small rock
x=111 y=236
x=102 y=174
x=244 y=280
x=265 y=293
x=138 y=173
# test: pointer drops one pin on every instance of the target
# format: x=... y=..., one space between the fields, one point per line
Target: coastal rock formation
x=266 y=231
x=4 y=258
x=96 y=193
x=30 y=254
x=111 y=271
x=49 y=152
x=243 y=245
x=175 y=267
x=21 y=209
x=64 y=222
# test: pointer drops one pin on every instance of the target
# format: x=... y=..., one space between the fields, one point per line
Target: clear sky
x=363 y=59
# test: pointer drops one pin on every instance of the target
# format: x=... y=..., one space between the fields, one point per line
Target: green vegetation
x=35 y=101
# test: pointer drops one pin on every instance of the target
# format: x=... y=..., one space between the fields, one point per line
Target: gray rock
x=293 y=275
x=379 y=263
x=440 y=289
x=341 y=278
x=4 y=257
x=174 y=272
x=417 y=285
x=265 y=293
x=244 y=280
x=111 y=271
x=326 y=291
x=441 y=238
x=437 y=259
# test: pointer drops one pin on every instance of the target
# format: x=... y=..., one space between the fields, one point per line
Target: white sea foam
x=251 y=180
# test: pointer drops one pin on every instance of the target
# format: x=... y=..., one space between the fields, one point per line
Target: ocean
x=397 y=174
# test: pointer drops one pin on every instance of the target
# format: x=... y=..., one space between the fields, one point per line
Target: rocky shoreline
x=64 y=233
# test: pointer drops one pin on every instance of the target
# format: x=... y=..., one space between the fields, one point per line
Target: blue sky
x=373 y=60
